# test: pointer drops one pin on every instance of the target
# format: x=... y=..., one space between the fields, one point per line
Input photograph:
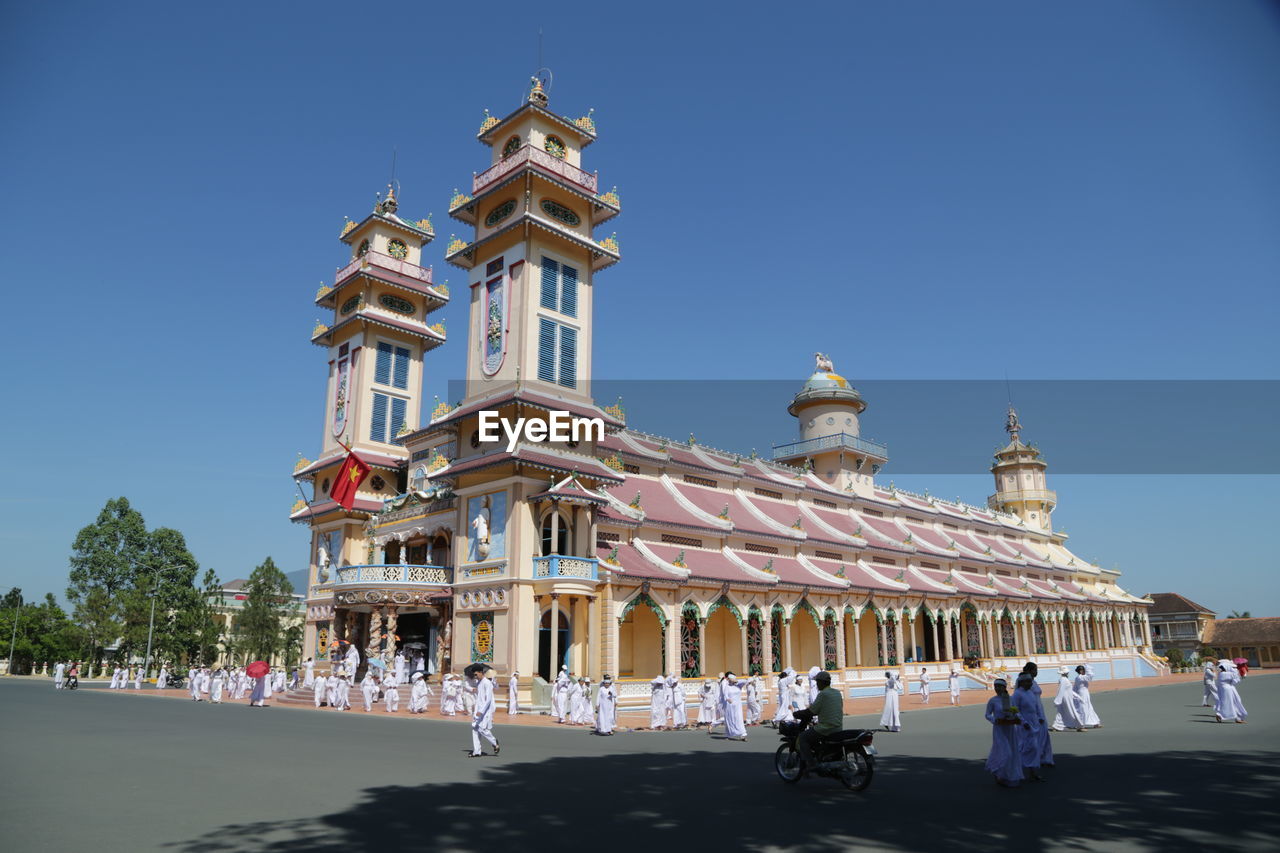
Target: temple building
x=629 y=553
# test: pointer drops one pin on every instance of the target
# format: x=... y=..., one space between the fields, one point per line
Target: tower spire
x=1012 y=425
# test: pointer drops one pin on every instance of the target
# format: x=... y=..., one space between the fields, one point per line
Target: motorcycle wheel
x=787 y=762
x=858 y=770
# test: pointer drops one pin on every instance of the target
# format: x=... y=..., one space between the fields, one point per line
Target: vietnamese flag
x=350 y=476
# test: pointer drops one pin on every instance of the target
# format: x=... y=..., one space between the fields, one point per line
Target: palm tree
x=1236 y=614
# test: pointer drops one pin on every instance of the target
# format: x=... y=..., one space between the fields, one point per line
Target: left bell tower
x=375 y=338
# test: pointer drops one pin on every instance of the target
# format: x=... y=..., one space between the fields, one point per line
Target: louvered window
x=389 y=414
x=568 y=357
x=398 y=407
x=550 y=278
x=557 y=353
x=559 y=288
x=378 y=424
x=568 y=291
x=546 y=349
x=382 y=367
x=400 y=370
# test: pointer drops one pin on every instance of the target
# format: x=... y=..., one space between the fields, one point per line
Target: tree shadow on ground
x=713 y=800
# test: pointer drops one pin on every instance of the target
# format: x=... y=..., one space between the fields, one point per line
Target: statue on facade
x=1011 y=424
x=824 y=364
x=323 y=544
x=481 y=526
x=442 y=645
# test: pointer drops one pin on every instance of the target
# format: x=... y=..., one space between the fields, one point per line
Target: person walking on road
x=482 y=716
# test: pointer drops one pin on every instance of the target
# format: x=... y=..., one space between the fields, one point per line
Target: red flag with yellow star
x=350 y=476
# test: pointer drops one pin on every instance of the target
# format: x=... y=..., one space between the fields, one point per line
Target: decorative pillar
x=901 y=639
x=554 y=663
x=593 y=635
x=914 y=644
x=857 y=640
x=766 y=633
x=391 y=626
x=742 y=635
x=786 y=642
x=947 y=633
x=884 y=642
x=937 y=651
x=702 y=645
x=841 y=657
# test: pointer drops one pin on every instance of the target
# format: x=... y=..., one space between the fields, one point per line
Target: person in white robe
x=267 y=685
x=467 y=695
x=560 y=695
x=677 y=702
x=1230 y=708
x=162 y=680
x=800 y=693
x=192 y=687
x=352 y=660
x=391 y=693
x=258 y=699
x=331 y=689
x=1088 y=717
x=309 y=679
x=784 y=696
x=219 y=684
x=890 y=717
x=812 y=685
x=731 y=701
x=924 y=687
x=754 y=707
x=1210 y=699
x=586 y=708
x=953 y=685
x=343 y=692
x=606 y=706
x=1031 y=713
x=573 y=704
x=320 y=690
x=369 y=689
x=513 y=694
x=138 y=676
x=1041 y=731
x=481 y=686
x=1004 y=761
x=1067 y=703
x=417 y=693
x=401 y=666
x=115 y=678
x=57 y=675
x=706 y=703
x=658 y=703
x=418 y=662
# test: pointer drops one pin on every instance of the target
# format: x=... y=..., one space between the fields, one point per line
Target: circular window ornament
x=848 y=421
x=398 y=250
x=830 y=421
x=378 y=483
x=558 y=211
x=350 y=305
x=500 y=213
x=363 y=250
x=396 y=304
x=512 y=146
x=554 y=146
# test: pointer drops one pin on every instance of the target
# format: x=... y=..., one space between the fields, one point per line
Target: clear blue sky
x=1087 y=190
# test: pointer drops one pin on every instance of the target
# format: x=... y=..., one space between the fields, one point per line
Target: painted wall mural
x=340 y=394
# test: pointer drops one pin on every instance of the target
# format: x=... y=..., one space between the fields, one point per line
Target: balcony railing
x=1000 y=498
x=840 y=440
x=528 y=154
x=377 y=259
x=560 y=566
x=394 y=573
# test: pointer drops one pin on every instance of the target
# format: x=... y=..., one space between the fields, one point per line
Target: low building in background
x=1179 y=623
x=1255 y=640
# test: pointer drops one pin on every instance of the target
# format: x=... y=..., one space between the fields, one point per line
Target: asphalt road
x=86 y=770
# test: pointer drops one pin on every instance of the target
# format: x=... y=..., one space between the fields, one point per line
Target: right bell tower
x=1019 y=470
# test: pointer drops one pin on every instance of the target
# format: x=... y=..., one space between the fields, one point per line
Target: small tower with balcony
x=533 y=252
x=1021 y=489
x=830 y=444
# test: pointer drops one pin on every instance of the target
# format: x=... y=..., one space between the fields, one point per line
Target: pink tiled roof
x=1042 y=590
x=712 y=501
x=327 y=506
x=656 y=502
x=939 y=577
x=970 y=583
x=585 y=465
x=634 y=566
x=929 y=539
x=781 y=513
x=884 y=530
x=854 y=574
x=835 y=518
x=711 y=565
x=788 y=570
x=376 y=460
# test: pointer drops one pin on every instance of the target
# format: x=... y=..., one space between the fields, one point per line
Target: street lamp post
x=151 y=626
x=17 y=614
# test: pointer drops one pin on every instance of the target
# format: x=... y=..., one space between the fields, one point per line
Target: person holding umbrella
x=482 y=716
x=258 y=672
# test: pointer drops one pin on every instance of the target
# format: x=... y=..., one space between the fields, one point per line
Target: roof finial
x=1012 y=425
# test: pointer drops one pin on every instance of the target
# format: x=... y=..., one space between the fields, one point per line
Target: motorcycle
x=846 y=755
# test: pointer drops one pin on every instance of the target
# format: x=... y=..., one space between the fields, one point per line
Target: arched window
x=555 y=541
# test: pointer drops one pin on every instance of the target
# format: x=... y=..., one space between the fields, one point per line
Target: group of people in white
x=231 y=683
x=720 y=703
x=1220 y=693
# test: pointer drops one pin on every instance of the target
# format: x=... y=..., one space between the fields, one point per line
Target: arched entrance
x=642 y=649
x=1008 y=645
x=806 y=638
x=929 y=627
x=724 y=640
x=829 y=658
x=777 y=620
x=755 y=641
x=545 y=669
x=1040 y=635
x=690 y=642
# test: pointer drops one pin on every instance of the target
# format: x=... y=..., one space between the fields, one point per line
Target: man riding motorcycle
x=828 y=708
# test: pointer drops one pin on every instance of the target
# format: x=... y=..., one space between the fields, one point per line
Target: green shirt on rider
x=828 y=709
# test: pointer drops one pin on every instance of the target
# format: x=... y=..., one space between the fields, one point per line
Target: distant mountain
x=299 y=580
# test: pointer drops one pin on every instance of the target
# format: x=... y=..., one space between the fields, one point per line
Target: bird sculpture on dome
x=824 y=362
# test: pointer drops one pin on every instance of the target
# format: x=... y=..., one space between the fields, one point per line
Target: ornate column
x=554 y=665
x=841 y=657
x=884 y=642
x=391 y=627
x=766 y=634
x=937 y=650
x=947 y=633
x=593 y=635
x=857 y=640
x=914 y=644
x=786 y=642
x=702 y=645
x=900 y=639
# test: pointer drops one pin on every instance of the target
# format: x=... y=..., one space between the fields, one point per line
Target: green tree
x=45 y=635
x=1236 y=614
x=267 y=600
x=195 y=636
x=96 y=614
x=106 y=554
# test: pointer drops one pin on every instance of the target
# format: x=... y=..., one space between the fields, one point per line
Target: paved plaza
x=92 y=771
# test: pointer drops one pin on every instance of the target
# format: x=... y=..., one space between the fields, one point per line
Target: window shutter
x=382 y=367
x=378 y=426
x=401 y=377
x=398 y=406
x=550 y=275
x=568 y=357
x=546 y=350
x=569 y=291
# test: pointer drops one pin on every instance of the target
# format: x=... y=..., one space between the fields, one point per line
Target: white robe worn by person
x=784 y=696
x=754 y=707
x=219 y=684
x=401 y=667
x=1004 y=761
x=391 y=693
x=309 y=679
x=800 y=693
x=57 y=675
x=331 y=690
x=343 y=693
x=418 y=694
x=953 y=685
x=1089 y=717
x=258 y=697
x=513 y=694
x=1210 y=699
x=706 y=704
x=924 y=688
x=482 y=716
x=1031 y=712
x=573 y=708
x=137 y=678
x=1230 y=708
x=1068 y=705
x=676 y=702
x=162 y=680
x=320 y=689
x=560 y=695
x=658 y=703
x=731 y=700
x=369 y=690
x=891 y=718
x=813 y=685
x=586 y=708
x=606 y=707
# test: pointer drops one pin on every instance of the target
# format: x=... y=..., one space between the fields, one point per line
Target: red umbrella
x=257 y=669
